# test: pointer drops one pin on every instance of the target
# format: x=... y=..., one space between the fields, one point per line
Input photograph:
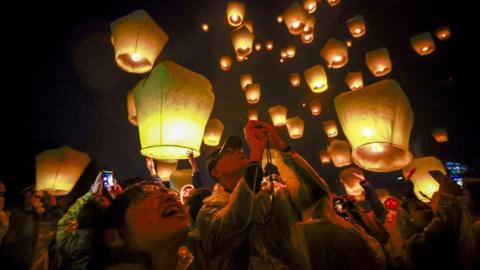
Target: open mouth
x=171 y=211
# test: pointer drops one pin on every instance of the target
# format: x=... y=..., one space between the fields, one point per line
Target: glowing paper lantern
x=295 y=17
x=225 y=62
x=278 y=114
x=349 y=43
x=57 y=170
x=333 y=2
x=382 y=194
x=295 y=79
x=316 y=78
x=235 y=13
x=356 y=26
x=252 y=114
x=295 y=126
x=354 y=80
x=315 y=107
x=242 y=40
x=283 y=53
x=279 y=19
x=330 y=128
x=132 y=112
x=245 y=80
x=213 y=132
x=180 y=178
x=252 y=93
x=165 y=168
x=269 y=45
x=339 y=152
x=205 y=27
x=173 y=107
x=290 y=50
x=324 y=158
x=378 y=62
x=423 y=182
x=442 y=33
x=335 y=53
x=138 y=41
x=307 y=38
x=440 y=135
x=377 y=121
x=423 y=43
x=310 y=5
x=351 y=178
x=258 y=46
x=309 y=25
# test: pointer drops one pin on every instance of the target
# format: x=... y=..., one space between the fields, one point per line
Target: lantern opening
x=167 y=151
x=134 y=61
x=384 y=155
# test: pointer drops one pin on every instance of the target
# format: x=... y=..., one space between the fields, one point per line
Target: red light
x=391 y=204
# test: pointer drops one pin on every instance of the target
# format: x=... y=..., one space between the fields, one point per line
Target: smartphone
x=107 y=179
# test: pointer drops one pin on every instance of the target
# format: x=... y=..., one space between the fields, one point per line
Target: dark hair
x=473 y=186
x=196 y=201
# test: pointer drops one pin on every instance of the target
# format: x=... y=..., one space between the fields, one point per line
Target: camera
x=107 y=179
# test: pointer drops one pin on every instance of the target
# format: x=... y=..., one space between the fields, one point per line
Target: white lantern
x=335 y=53
x=423 y=43
x=339 y=152
x=235 y=13
x=354 y=80
x=316 y=78
x=278 y=114
x=213 y=132
x=356 y=26
x=295 y=126
x=378 y=62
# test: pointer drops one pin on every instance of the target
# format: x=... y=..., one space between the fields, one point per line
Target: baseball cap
x=231 y=142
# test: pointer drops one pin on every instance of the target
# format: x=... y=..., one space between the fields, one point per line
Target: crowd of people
x=257 y=216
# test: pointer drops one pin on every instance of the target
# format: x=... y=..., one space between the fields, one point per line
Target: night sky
x=76 y=95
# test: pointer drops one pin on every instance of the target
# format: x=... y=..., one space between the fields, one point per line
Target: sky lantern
x=295 y=79
x=205 y=27
x=269 y=45
x=138 y=41
x=242 y=40
x=57 y=170
x=290 y=50
x=377 y=121
x=295 y=126
x=315 y=107
x=258 y=46
x=235 y=13
x=132 y=112
x=422 y=181
x=324 y=158
x=279 y=19
x=423 y=43
x=282 y=60
x=440 y=135
x=333 y=2
x=335 y=53
x=253 y=114
x=295 y=17
x=283 y=53
x=382 y=194
x=165 y=168
x=339 y=152
x=349 y=43
x=316 y=78
x=354 y=80
x=252 y=93
x=173 y=107
x=442 y=33
x=225 y=62
x=330 y=128
x=378 y=62
x=351 y=178
x=309 y=25
x=356 y=26
x=245 y=79
x=310 y=5
x=213 y=132
x=278 y=114
x=307 y=38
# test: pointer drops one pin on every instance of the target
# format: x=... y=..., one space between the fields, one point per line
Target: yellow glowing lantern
x=173 y=107
x=245 y=80
x=333 y=3
x=180 y=178
x=165 y=168
x=242 y=40
x=330 y=128
x=295 y=126
x=279 y=19
x=235 y=13
x=339 y=152
x=290 y=50
x=278 y=114
x=309 y=25
x=57 y=170
x=138 y=41
x=354 y=80
x=378 y=62
x=258 y=46
x=132 y=112
x=295 y=17
x=295 y=79
x=349 y=43
x=252 y=93
x=335 y=53
x=442 y=33
x=315 y=107
x=205 y=27
x=423 y=43
x=269 y=45
x=324 y=158
x=440 y=135
x=356 y=26
x=283 y=53
x=307 y=38
x=316 y=78
x=377 y=121
x=351 y=178
x=423 y=182
x=253 y=114
x=213 y=132
x=382 y=194
x=310 y=5
x=225 y=62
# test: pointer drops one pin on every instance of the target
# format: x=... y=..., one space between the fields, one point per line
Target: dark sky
x=75 y=94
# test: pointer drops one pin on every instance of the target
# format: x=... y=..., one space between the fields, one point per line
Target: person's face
x=187 y=193
x=156 y=218
x=231 y=162
x=37 y=204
